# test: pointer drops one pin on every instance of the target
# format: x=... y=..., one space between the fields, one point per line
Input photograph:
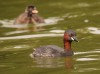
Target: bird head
x=71 y=35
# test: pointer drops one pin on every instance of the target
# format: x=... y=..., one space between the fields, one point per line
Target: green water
x=14 y=53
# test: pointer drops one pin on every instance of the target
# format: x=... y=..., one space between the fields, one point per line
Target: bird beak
x=35 y=11
x=74 y=39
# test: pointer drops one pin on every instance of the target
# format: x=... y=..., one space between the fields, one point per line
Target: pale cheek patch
x=72 y=38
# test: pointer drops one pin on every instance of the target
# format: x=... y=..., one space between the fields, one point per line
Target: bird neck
x=67 y=43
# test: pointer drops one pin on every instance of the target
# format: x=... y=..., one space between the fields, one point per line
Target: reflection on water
x=15 y=48
x=87 y=69
x=31 y=36
x=48 y=21
x=53 y=62
x=88 y=52
x=47 y=62
x=87 y=59
x=69 y=63
x=81 y=63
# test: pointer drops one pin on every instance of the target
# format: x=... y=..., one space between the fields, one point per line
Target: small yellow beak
x=35 y=11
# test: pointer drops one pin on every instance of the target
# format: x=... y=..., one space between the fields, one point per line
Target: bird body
x=30 y=16
x=56 y=51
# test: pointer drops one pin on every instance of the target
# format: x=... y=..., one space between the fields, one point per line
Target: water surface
x=16 y=46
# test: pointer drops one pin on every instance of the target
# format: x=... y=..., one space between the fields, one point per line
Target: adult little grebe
x=55 y=51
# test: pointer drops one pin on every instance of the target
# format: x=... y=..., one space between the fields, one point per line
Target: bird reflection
x=69 y=62
x=53 y=62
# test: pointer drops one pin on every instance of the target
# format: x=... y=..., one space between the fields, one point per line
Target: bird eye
x=71 y=35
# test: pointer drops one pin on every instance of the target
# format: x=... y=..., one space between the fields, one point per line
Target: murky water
x=82 y=62
x=16 y=46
